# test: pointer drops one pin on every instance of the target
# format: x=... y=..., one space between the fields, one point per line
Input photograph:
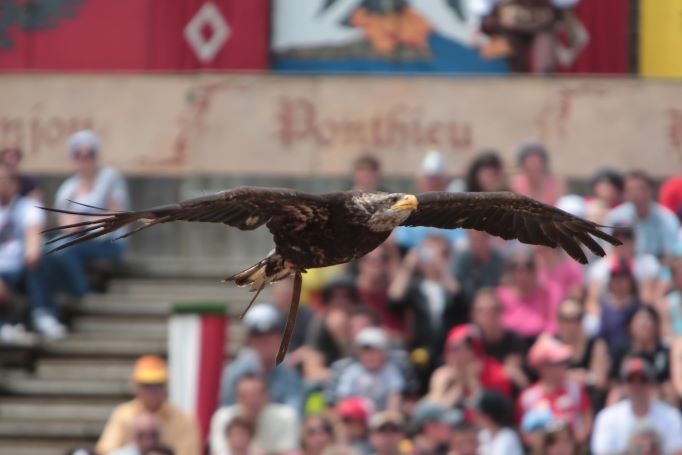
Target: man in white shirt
x=276 y=424
x=615 y=423
x=656 y=228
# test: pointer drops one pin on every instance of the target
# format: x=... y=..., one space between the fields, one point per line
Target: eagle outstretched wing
x=510 y=216
x=245 y=208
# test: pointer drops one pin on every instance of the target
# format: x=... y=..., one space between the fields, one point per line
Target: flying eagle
x=321 y=230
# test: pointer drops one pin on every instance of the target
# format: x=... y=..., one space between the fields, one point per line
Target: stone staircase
x=65 y=396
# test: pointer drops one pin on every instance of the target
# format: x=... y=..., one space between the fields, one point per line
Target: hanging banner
x=660 y=38
x=377 y=36
x=316 y=126
x=101 y=35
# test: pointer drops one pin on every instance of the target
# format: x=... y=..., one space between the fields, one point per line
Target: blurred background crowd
x=438 y=341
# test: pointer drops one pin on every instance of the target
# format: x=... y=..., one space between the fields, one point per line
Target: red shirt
x=494 y=377
x=567 y=403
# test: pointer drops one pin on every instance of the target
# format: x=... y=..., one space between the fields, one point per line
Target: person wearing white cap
x=372 y=376
x=264 y=324
x=93 y=185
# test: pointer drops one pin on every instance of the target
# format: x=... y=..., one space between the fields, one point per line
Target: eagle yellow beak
x=409 y=202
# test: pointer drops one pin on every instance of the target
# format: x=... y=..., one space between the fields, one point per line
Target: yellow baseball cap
x=150 y=369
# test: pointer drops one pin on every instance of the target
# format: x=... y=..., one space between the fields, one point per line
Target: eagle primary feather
x=320 y=230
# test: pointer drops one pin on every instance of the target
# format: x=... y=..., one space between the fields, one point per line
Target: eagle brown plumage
x=312 y=231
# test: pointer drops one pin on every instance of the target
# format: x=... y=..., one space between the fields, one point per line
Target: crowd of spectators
x=456 y=342
x=25 y=268
x=437 y=342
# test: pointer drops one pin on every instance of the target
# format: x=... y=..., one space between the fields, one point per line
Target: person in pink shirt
x=528 y=304
x=536 y=179
x=555 y=267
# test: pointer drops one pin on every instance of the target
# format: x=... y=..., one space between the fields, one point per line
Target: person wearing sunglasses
x=386 y=433
x=93 y=185
x=317 y=434
x=146 y=434
x=528 y=304
x=589 y=364
x=644 y=269
x=615 y=423
x=656 y=227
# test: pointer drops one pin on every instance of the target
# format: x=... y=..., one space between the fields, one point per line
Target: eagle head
x=389 y=210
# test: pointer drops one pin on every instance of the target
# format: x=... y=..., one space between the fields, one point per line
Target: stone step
x=92 y=369
x=125 y=307
x=44 y=428
x=192 y=288
x=100 y=345
x=33 y=386
x=121 y=304
x=31 y=409
x=185 y=267
x=41 y=446
x=142 y=326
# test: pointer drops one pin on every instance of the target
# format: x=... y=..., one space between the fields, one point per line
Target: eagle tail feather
x=88 y=230
x=269 y=270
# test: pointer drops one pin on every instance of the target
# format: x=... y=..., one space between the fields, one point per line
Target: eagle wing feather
x=510 y=216
x=244 y=208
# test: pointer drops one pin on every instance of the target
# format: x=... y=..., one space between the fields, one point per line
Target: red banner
x=134 y=34
x=608 y=24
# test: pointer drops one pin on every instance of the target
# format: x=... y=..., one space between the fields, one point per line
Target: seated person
x=330 y=338
x=372 y=282
x=275 y=425
x=467 y=371
x=353 y=430
x=566 y=399
x=239 y=436
x=146 y=434
x=606 y=194
x=645 y=341
x=616 y=423
x=493 y=414
x=28 y=186
x=656 y=228
x=386 y=432
x=529 y=304
x=431 y=423
x=644 y=268
x=264 y=324
x=555 y=266
x=480 y=265
x=317 y=434
x=501 y=344
x=178 y=430
x=617 y=307
x=589 y=364
x=464 y=438
x=93 y=185
x=359 y=319
x=424 y=290
x=372 y=376
x=536 y=179
x=22 y=266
